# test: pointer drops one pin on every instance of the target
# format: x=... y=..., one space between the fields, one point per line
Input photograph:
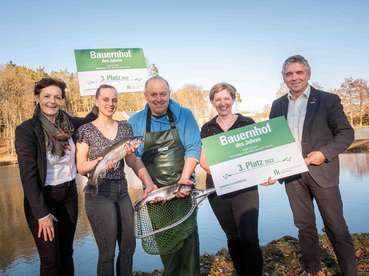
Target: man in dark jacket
x=320 y=127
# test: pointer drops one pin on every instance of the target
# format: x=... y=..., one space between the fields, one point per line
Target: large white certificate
x=247 y=156
x=123 y=68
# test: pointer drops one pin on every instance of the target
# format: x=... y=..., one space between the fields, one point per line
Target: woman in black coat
x=46 y=157
x=236 y=212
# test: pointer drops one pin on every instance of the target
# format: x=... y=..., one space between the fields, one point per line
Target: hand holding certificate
x=249 y=155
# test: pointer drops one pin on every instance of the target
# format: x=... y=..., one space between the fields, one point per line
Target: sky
x=197 y=42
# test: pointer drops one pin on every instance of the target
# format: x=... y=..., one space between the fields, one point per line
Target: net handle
x=202 y=193
x=197 y=197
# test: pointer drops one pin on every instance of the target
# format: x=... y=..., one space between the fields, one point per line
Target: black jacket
x=31 y=151
x=326 y=129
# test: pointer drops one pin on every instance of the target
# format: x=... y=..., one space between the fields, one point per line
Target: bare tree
x=283 y=89
x=317 y=85
x=354 y=94
x=196 y=99
x=16 y=99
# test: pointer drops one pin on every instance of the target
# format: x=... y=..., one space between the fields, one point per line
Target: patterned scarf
x=58 y=134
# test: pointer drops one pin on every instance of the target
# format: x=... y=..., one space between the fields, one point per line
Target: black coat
x=31 y=151
x=326 y=129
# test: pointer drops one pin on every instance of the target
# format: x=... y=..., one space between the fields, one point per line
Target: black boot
x=252 y=258
x=247 y=257
x=235 y=251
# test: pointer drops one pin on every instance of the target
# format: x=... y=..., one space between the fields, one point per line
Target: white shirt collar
x=305 y=94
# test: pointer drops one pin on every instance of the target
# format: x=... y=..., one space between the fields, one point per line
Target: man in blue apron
x=170 y=153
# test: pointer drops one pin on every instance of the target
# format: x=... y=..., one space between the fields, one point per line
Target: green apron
x=163 y=157
x=163 y=153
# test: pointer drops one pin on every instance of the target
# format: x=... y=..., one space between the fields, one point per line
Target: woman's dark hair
x=45 y=82
x=102 y=87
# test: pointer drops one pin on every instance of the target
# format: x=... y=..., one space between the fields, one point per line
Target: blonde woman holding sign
x=237 y=212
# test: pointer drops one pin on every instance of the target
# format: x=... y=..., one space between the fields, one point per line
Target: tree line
x=17 y=99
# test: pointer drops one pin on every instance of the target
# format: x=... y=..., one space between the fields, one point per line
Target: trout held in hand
x=115 y=153
x=163 y=194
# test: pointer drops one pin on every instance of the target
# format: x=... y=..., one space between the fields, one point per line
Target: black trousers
x=301 y=193
x=111 y=216
x=56 y=256
x=238 y=215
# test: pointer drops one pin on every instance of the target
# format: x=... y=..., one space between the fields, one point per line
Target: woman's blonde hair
x=222 y=86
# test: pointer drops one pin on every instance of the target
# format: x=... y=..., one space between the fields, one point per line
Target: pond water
x=18 y=255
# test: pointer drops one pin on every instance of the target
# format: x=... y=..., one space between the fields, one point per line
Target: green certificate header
x=109 y=59
x=246 y=140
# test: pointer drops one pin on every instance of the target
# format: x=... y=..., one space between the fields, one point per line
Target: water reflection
x=355 y=163
x=12 y=220
x=13 y=224
x=17 y=249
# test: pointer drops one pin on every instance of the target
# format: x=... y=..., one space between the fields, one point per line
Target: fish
x=163 y=194
x=114 y=153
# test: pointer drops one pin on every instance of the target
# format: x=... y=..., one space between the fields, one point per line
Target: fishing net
x=152 y=217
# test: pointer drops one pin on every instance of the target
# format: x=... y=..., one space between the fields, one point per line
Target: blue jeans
x=111 y=217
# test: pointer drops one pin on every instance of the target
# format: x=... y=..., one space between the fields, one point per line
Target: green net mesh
x=152 y=217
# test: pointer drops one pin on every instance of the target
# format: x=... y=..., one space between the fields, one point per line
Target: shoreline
x=7 y=160
x=4 y=163
x=283 y=257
